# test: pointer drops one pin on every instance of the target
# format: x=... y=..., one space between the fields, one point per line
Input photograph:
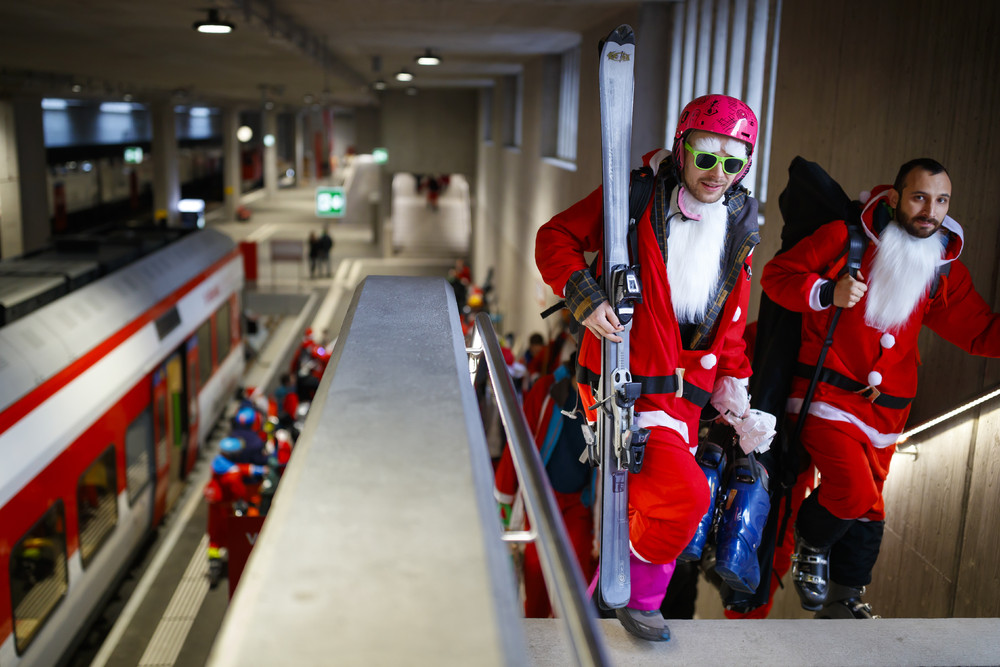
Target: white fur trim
x=657 y=158
x=736 y=315
x=814 y=294
x=661 y=418
x=865 y=196
x=505 y=498
x=887 y=340
x=709 y=361
x=874 y=379
x=636 y=553
x=717 y=144
x=834 y=414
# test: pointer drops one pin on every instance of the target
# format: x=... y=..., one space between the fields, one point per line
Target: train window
x=138 y=445
x=222 y=330
x=204 y=352
x=38 y=575
x=96 y=502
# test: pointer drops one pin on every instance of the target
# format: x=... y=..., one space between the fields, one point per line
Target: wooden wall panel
x=861 y=88
x=979 y=571
x=925 y=500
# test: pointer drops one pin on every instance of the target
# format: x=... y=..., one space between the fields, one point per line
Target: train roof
x=56 y=332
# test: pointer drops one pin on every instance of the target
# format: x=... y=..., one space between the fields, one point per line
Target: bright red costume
x=852 y=482
x=669 y=497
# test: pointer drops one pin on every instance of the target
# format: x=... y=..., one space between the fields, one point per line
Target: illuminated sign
x=330 y=202
x=133 y=155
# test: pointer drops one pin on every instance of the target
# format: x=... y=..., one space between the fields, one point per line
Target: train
x=119 y=351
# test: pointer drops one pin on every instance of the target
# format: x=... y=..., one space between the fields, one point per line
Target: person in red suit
x=695 y=240
x=561 y=442
x=234 y=480
x=910 y=277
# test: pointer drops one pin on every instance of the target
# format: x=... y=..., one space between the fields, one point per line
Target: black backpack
x=810 y=200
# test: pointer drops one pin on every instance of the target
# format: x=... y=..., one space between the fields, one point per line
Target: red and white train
x=106 y=396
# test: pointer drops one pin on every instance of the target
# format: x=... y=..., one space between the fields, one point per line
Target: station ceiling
x=291 y=52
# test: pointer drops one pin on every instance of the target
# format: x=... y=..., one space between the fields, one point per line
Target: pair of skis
x=619 y=445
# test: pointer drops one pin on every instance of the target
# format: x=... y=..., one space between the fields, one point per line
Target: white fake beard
x=902 y=269
x=694 y=256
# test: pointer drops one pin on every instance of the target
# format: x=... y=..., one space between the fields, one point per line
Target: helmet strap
x=685 y=206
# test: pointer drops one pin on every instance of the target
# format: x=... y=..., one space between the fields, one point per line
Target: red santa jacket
x=886 y=360
x=657 y=356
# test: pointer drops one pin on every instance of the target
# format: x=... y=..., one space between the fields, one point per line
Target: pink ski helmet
x=720 y=114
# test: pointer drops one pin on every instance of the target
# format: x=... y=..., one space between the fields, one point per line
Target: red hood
x=880 y=193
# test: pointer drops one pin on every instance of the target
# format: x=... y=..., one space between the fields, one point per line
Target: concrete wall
x=433 y=131
x=518 y=191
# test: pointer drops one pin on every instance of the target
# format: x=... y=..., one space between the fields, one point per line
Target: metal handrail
x=563 y=577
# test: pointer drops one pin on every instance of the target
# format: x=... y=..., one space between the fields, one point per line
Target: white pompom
x=864 y=196
x=708 y=361
x=887 y=340
x=736 y=315
x=874 y=379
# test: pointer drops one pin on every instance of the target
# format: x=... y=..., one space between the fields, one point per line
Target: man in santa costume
x=910 y=276
x=686 y=344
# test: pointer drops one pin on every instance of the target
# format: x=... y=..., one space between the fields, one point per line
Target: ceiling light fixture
x=380 y=84
x=428 y=58
x=214 y=25
x=404 y=76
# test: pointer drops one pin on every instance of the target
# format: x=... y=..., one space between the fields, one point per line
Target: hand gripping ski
x=620 y=443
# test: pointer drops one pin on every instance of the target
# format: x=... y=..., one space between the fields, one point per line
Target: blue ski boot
x=712 y=460
x=742 y=524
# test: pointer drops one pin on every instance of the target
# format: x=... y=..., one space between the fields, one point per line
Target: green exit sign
x=380 y=155
x=133 y=155
x=330 y=202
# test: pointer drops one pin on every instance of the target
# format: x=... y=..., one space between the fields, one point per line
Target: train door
x=161 y=442
x=192 y=384
x=176 y=425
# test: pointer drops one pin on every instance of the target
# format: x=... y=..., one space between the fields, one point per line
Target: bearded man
x=910 y=276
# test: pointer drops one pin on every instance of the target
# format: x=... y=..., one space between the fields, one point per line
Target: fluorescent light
x=191 y=205
x=903 y=437
x=404 y=76
x=199 y=112
x=53 y=103
x=428 y=59
x=214 y=25
x=116 y=107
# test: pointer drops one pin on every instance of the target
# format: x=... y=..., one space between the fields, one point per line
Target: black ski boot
x=845 y=602
x=648 y=625
x=810 y=574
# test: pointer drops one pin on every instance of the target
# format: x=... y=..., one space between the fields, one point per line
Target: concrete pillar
x=269 y=124
x=24 y=208
x=300 y=147
x=652 y=69
x=231 y=166
x=166 y=172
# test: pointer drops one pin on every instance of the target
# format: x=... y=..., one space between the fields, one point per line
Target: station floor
x=164 y=612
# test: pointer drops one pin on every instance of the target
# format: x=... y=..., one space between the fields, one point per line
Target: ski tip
x=621 y=35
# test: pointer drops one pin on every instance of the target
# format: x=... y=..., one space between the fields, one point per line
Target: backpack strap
x=639 y=196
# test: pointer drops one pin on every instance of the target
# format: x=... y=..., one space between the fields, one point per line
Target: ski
x=618 y=441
